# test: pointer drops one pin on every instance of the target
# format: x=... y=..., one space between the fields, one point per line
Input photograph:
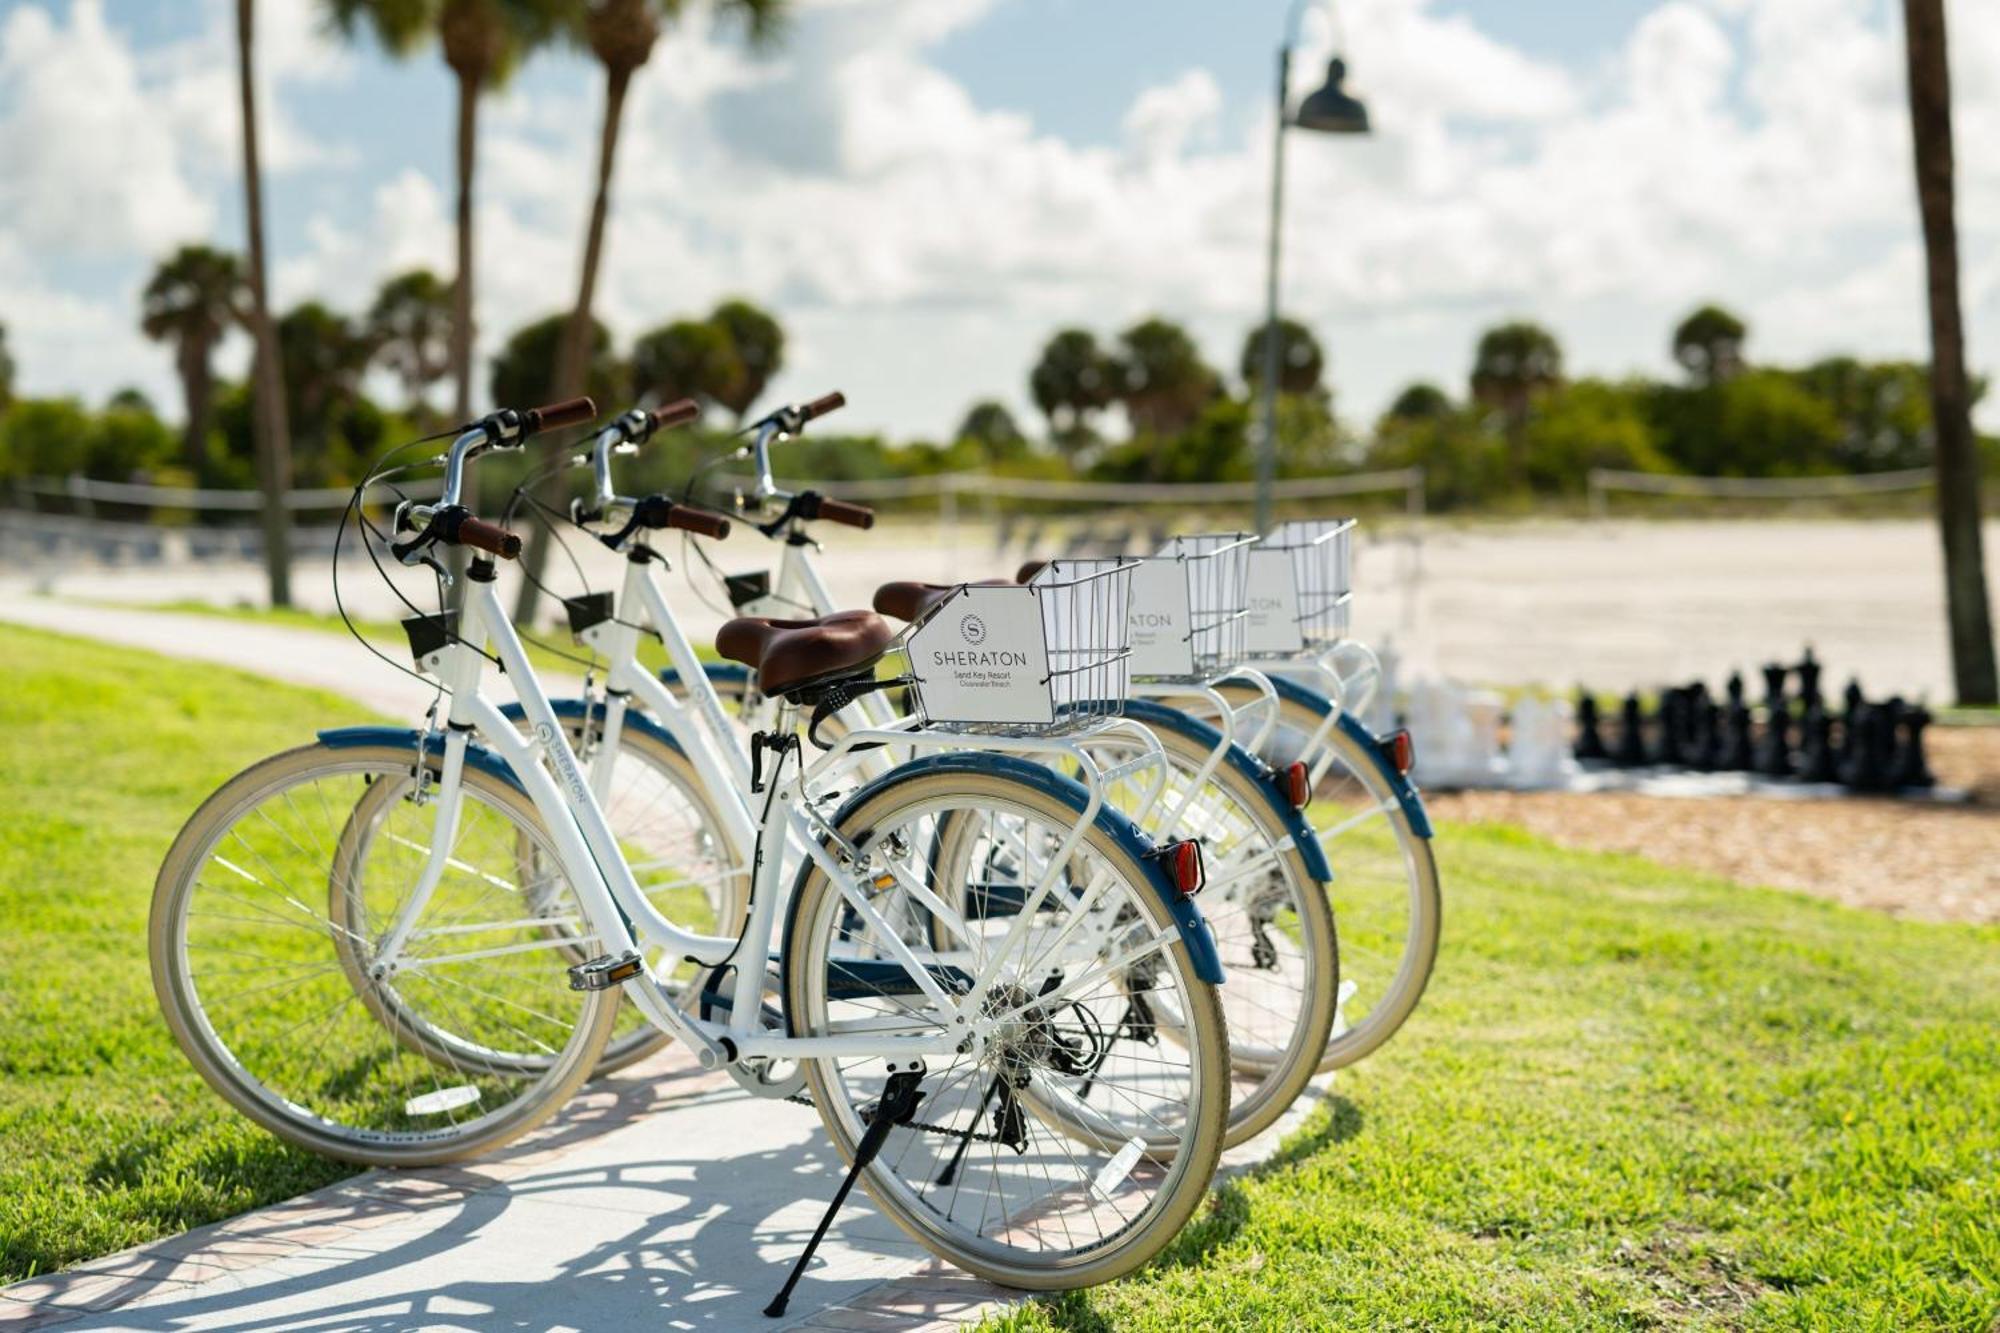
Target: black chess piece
x=1738 y=753
x=1735 y=687
x=1910 y=767
x=1669 y=738
x=1774 y=748
x=1818 y=761
x=1850 y=720
x=1589 y=741
x=1808 y=669
x=1631 y=751
x=1870 y=749
x=1701 y=745
x=1774 y=682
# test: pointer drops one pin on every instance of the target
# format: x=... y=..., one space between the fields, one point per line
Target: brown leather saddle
x=792 y=657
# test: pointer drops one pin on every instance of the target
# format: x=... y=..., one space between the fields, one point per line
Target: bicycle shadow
x=672 y=1200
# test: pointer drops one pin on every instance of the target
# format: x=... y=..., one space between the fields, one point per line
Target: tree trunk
x=198 y=392
x=1966 y=606
x=573 y=358
x=274 y=446
x=462 y=330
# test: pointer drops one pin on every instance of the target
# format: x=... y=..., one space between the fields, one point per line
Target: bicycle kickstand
x=898 y=1103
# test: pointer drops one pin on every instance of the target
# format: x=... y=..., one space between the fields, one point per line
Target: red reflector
x=1184 y=862
x=1401 y=753
x=1298 y=783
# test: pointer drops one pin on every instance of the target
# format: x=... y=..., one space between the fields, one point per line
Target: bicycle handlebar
x=483 y=536
x=840 y=511
x=555 y=416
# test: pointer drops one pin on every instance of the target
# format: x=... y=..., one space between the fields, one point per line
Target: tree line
x=1143 y=405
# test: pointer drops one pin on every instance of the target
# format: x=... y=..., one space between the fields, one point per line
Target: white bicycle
x=654 y=757
x=408 y=946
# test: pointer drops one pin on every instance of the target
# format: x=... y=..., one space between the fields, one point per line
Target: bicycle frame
x=550 y=775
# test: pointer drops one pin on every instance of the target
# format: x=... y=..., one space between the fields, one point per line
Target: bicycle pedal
x=606 y=972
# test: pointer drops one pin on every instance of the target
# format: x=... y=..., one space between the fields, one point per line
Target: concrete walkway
x=663 y=1197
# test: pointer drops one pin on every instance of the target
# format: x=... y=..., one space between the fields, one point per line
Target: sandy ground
x=1931 y=862
x=1613 y=605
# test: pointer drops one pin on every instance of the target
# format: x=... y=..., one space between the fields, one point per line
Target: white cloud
x=86 y=166
x=922 y=243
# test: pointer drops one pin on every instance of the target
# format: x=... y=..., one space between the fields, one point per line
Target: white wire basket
x=1302 y=589
x=1039 y=659
x=1188 y=607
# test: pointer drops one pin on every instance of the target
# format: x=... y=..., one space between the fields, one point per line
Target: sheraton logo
x=972 y=629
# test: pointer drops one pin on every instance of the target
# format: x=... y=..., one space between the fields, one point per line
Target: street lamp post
x=1329 y=110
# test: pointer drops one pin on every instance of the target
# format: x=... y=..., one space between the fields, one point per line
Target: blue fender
x=1160 y=716
x=717 y=671
x=1406 y=791
x=1195 y=934
x=634 y=718
x=404 y=738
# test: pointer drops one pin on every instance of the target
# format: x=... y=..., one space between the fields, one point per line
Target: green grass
x=388 y=634
x=107 y=1136
x=1634 y=1097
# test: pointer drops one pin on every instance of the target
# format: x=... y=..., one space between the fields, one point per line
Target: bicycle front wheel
x=268 y=921
x=1048 y=1155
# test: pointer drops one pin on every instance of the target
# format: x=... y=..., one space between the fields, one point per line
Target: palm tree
x=1973 y=668
x=273 y=430
x=1709 y=345
x=621 y=34
x=1301 y=360
x=1514 y=364
x=689 y=358
x=759 y=346
x=1164 y=383
x=325 y=356
x=1071 y=379
x=482 y=42
x=195 y=296
x=409 y=327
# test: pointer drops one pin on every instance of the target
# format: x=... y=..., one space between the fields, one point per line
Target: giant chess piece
x=1669 y=728
x=1774 y=682
x=1738 y=753
x=1872 y=740
x=1774 y=749
x=1709 y=749
x=1808 y=669
x=1910 y=768
x=1589 y=747
x=1631 y=751
x=1850 y=720
x=1735 y=687
x=1818 y=762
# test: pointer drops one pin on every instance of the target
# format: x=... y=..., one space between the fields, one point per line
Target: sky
x=923 y=190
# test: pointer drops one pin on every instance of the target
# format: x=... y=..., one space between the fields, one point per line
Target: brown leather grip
x=839 y=511
x=819 y=407
x=488 y=537
x=698 y=521
x=677 y=413
x=554 y=416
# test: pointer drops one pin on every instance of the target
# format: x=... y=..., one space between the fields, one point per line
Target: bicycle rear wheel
x=1045 y=1157
x=1385 y=889
x=275 y=995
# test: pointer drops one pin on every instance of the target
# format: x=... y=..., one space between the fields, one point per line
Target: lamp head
x=1330 y=109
